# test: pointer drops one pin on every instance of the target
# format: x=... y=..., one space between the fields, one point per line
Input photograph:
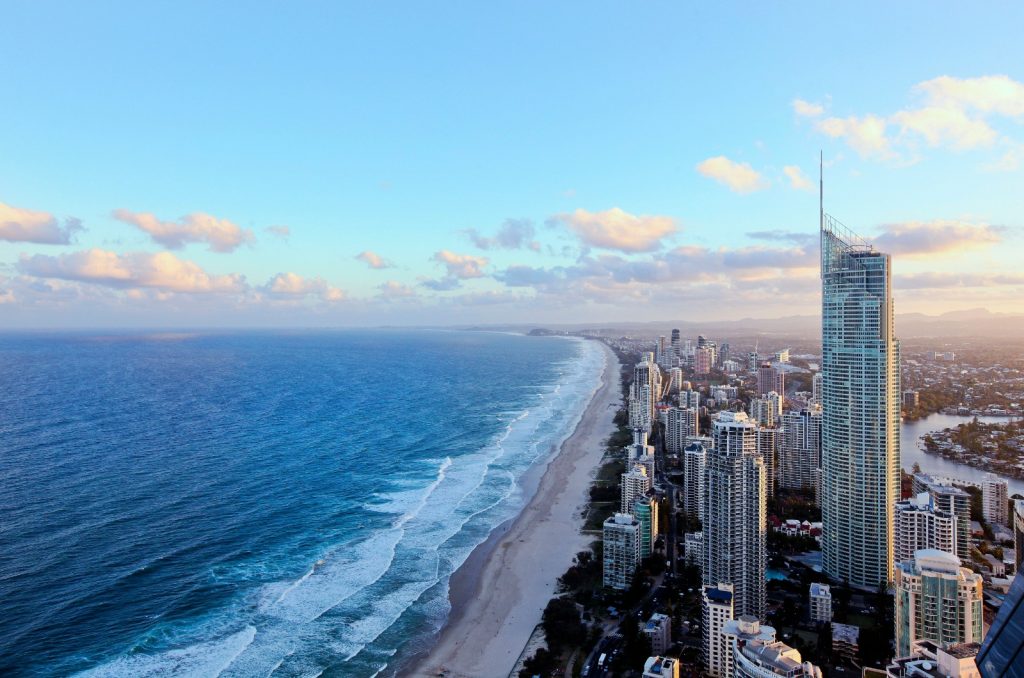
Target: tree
x=562 y=625
x=540 y=664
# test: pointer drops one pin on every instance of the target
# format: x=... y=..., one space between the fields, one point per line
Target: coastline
x=498 y=594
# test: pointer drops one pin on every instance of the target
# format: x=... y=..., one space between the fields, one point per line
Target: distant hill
x=977 y=322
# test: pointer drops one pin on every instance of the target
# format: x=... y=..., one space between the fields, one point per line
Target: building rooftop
x=820 y=590
x=718 y=595
x=845 y=633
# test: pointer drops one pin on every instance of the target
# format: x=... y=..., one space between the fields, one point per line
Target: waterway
x=910 y=449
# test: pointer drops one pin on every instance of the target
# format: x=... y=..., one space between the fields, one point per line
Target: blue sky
x=625 y=151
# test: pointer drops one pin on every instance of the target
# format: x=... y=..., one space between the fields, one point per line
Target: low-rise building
x=820 y=603
x=758 y=659
x=929 y=660
x=845 y=642
x=737 y=632
x=658 y=630
x=661 y=667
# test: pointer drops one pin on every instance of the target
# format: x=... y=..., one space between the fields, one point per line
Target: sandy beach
x=499 y=593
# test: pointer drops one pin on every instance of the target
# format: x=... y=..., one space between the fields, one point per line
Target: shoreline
x=498 y=594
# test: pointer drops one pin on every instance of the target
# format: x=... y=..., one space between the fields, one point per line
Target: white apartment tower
x=682 y=424
x=716 y=612
x=922 y=525
x=634 y=485
x=735 y=520
x=993 y=500
x=936 y=600
x=621 y=550
x=860 y=393
x=820 y=598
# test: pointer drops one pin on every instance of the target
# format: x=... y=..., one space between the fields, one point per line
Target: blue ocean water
x=254 y=504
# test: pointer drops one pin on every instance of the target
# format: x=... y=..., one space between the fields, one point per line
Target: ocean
x=259 y=503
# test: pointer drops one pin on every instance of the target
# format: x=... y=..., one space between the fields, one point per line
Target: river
x=910 y=451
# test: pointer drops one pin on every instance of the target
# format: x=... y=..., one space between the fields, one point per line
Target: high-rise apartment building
x=952 y=500
x=860 y=452
x=621 y=550
x=676 y=347
x=816 y=388
x=767 y=410
x=716 y=612
x=703 y=360
x=799 y=448
x=993 y=500
x=920 y=525
x=770 y=378
x=646 y=389
x=645 y=510
x=683 y=423
x=767 y=438
x=735 y=520
x=633 y=484
x=695 y=458
x=936 y=600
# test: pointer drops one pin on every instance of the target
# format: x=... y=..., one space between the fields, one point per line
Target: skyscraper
x=799 y=449
x=645 y=510
x=695 y=459
x=860 y=452
x=952 y=500
x=683 y=423
x=1002 y=652
x=735 y=517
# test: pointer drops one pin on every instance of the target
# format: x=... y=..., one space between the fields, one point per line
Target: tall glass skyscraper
x=860 y=453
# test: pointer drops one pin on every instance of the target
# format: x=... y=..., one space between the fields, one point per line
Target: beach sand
x=500 y=592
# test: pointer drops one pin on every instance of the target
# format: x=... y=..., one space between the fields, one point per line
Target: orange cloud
x=616 y=229
x=740 y=177
x=23 y=225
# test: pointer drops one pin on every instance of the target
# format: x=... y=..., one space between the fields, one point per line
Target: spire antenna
x=821 y=189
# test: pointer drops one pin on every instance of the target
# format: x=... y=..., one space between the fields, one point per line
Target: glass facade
x=1002 y=653
x=860 y=398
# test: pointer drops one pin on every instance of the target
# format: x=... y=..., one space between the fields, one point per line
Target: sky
x=344 y=164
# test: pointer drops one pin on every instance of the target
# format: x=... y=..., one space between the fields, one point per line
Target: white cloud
x=293 y=285
x=740 y=177
x=161 y=271
x=866 y=135
x=220 y=234
x=946 y=127
x=616 y=229
x=797 y=179
x=373 y=260
x=23 y=225
x=807 y=109
x=997 y=94
x=461 y=266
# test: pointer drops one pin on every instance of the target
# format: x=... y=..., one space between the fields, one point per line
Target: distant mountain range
x=975 y=322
